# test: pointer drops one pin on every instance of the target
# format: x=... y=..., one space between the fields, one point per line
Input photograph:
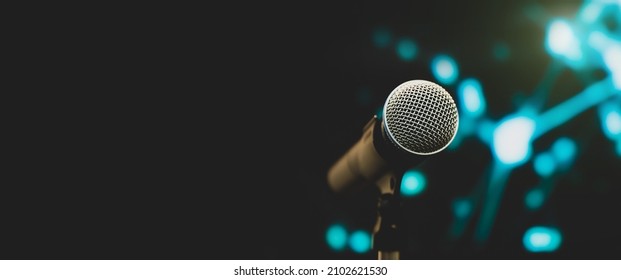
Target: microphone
x=419 y=119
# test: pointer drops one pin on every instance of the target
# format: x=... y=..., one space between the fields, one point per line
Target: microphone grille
x=420 y=117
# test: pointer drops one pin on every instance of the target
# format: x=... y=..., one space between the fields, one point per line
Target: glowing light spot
x=598 y=40
x=542 y=239
x=512 y=139
x=561 y=40
x=591 y=12
x=563 y=112
x=471 y=99
x=564 y=150
x=470 y=94
x=612 y=59
x=336 y=237
x=382 y=37
x=360 y=241
x=413 y=183
x=486 y=131
x=613 y=123
x=610 y=115
x=544 y=164
x=534 y=199
x=444 y=69
x=462 y=208
x=406 y=49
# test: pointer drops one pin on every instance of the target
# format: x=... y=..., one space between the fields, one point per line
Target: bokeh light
x=360 y=241
x=444 y=69
x=336 y=237
x=512 y=140
x=413 y=183
x=540 y=239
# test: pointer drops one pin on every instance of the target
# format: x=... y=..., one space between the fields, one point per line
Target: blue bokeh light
x=599 y=40
x=590 y=12
x=564 y=150
x=561 y=41
x=512 y=140
x=542 y=239
x=413 y=183
x=406 y=49
x=382 y=37
x=544 y=164
x=606 y=51
x=592 y=42
x=471 y=100
x=360 y=241
x=534 y=199
x=611 y=120
x=336 y=237
x=462 y=208
x=444 y=69
x=612 y=59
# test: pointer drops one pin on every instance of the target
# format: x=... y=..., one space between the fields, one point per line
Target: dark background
x=205 y=132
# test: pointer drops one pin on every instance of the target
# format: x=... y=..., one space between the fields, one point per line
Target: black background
x=205 y=132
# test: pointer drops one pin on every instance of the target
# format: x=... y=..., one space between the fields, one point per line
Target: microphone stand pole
x=388 y=236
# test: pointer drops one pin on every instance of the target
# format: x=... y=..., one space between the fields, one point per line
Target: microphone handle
x=360 y=165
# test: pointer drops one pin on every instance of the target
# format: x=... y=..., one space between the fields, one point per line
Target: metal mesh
x=421 y=117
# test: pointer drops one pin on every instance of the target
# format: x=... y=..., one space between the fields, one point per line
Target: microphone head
x=420 y=117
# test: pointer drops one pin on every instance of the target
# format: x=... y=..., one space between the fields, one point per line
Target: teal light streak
x=497 y=182
x=564 y=41
x=563 y=112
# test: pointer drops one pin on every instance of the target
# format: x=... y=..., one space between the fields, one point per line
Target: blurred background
x=206 y=132
x=534 y=169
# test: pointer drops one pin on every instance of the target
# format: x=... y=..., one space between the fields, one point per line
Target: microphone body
x=368 y=160
x=419 y=119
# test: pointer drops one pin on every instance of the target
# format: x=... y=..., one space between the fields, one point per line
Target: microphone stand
x=388 y=236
